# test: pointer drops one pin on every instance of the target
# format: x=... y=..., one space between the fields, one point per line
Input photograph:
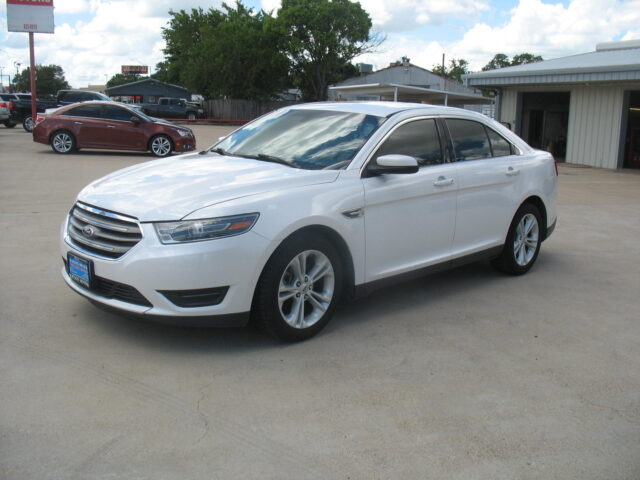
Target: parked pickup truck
x=173 y=108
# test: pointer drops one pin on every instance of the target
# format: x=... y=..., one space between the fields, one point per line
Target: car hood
x=172 y=188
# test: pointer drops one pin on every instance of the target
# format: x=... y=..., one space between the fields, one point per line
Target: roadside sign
x=33 y=16
x=138 y=69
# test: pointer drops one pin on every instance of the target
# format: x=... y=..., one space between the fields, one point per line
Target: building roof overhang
x=410 y=93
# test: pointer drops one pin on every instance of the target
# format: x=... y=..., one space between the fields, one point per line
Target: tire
x=289 y=304
x=161 y=146
x=9 y=124
x=191 y=116
x=27 y=123
x=63 y=142
x=523 y=241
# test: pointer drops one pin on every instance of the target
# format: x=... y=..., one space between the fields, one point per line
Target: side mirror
x=135 y=119
x=392 y=163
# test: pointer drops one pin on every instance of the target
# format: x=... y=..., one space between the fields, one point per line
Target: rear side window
x=89 y=111
x=469 y=138
x=418 y=139
x=117 y=113
x=499 y=145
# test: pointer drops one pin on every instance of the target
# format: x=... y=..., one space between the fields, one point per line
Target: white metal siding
x=508 y=108
x=595 y=114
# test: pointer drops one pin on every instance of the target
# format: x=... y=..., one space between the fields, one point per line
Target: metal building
x=404 y=82
x=584 y=109
x=147 y=90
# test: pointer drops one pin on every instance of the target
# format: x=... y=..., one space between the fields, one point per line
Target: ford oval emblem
x=88 y=231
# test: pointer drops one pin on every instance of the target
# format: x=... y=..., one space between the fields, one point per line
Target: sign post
x=32 y=16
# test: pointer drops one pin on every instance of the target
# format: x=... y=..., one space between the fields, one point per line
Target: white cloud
x=404 y=15
x=549 y=30
x=121 y=32
x=72 y=6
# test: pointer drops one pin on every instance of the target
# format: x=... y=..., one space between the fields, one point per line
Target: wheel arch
x=161 y=134
x=336 y=240
x=537 y=202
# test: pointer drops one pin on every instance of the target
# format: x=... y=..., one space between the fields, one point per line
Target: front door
x=409 y=218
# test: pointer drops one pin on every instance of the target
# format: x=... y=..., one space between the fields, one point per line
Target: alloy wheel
x=526 y=239
x=62 y=142
x=306 y=289
x=161 y=146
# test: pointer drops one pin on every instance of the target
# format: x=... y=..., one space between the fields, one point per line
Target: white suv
x=303 y=206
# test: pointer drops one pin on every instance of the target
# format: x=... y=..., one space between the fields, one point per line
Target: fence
x=240 y=110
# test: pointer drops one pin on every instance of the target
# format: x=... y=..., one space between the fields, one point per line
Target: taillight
x=3 y=105
x=39 y=118
x=10 y=105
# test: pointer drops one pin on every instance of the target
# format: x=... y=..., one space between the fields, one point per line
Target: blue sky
x=94 y=37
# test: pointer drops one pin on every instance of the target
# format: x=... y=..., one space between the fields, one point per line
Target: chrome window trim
x=394 y=128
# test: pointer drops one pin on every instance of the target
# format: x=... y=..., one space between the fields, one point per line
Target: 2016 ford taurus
x=311 y=203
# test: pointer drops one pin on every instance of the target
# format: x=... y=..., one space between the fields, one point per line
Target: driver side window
x=418 y=139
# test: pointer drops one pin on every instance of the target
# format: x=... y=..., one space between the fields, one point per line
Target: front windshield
x=309 y=139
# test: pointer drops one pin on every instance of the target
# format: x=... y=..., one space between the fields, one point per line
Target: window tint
x=117 y=113
x=499 y=145
x=469 y=139
x=71 y=97
x=417 y=139
x=90 y=111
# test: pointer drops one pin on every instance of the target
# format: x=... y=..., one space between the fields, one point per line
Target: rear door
x=410 y=218
x=488 y=171
x=86 y=124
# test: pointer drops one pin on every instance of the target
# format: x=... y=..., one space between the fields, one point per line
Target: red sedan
x=113 y=126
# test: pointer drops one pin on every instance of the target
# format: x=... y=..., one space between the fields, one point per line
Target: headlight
x=185 y=133
x=204 y=229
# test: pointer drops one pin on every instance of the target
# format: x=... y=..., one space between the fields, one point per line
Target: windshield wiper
x=219 y=151
x=266 y=158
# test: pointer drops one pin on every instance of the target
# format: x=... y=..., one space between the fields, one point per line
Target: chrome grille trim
x=102 y=233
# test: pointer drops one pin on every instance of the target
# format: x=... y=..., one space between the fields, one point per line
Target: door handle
x=111 y=126
x=512 y=171
x=79 y=123
x=443 y=181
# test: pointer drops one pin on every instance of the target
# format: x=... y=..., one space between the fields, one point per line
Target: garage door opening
x=545 y=121
x=632 y=140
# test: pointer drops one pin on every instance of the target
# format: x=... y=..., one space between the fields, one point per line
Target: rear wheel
x=27 y=123
x=523 y=242
x=63 y=142
x=298 y=289
x=191 y=116
x=161 y=146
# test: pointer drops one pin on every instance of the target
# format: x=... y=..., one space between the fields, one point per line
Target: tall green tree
x=49 y=79
x=500 y=60
x=457 y=68
x=321 y=39
x=232 y=52
x=122 y=78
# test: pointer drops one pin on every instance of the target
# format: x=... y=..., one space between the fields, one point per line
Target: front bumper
x=150 y=268
x=185 y=144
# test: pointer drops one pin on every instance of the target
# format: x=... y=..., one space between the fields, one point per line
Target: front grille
x=102 y=233
x=114 y=290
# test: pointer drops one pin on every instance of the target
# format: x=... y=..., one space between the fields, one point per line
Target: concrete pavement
x=465 y=375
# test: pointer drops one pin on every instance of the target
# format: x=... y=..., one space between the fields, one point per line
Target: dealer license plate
x=80 y=270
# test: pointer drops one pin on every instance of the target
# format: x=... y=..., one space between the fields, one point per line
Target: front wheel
x=27 y=123
x=161 y=146
x=298 y=289
x=191 y=116
x=63 y=142
x=523 y=242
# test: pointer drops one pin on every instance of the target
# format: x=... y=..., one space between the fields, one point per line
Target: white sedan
x=304 y=206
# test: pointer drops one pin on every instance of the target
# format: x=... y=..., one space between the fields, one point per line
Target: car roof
x=379 y=109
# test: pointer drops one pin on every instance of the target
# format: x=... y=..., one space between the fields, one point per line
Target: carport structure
x=397 y=92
